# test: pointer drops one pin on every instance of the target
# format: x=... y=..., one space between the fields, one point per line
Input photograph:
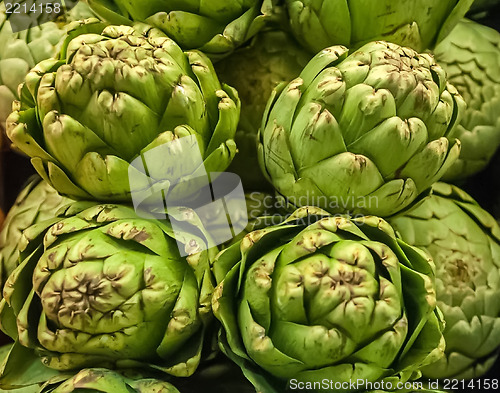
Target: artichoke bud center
x=459 y=272
x=80 y=299
x=347 y=278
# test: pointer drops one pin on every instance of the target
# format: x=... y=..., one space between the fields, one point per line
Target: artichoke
x=321 y=296
x=419 y=24
x=214 y=27
x=32 y=376
x=118 y=93
x=366 y=132
x=464 y=241
x=470 y=55
x=20 y=51
x=103 y=287
x=38 y=202
x=255 y=70
x=106 y=381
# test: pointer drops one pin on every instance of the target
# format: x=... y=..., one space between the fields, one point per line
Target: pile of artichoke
x=364 y=137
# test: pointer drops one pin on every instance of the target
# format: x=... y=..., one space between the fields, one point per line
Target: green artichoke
x=107 y=381
x=19 y=52
x=214 y=27
x=36 y=203
x=419 y=24
x=89 y=380
x=321 y=296
x=470 y=55
x=118 y=93
x=255 y=70
x=103 y=287
x=31 y=376
x=366 y=132
x=464 y=241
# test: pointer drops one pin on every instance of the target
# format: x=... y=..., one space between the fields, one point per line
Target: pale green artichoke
x=419 y=24
x=36 y=203
x=464 y=241
x=255 y=70
x=470 y=55
x=366 y=132
x=117 y=93
x=321 y=296
x=21 y=51
x=214 y=27
x=103 y=287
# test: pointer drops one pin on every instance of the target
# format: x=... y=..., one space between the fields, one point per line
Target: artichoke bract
x=464 y=241
x=117 y=93
x=21 y=51
x=364 y=132
x=326 y=297
x=255 y=70
x=214 y=27
x=29 y=380
x=103 y=287
x=470 y=55
x=419 y=24
x=38 y=202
